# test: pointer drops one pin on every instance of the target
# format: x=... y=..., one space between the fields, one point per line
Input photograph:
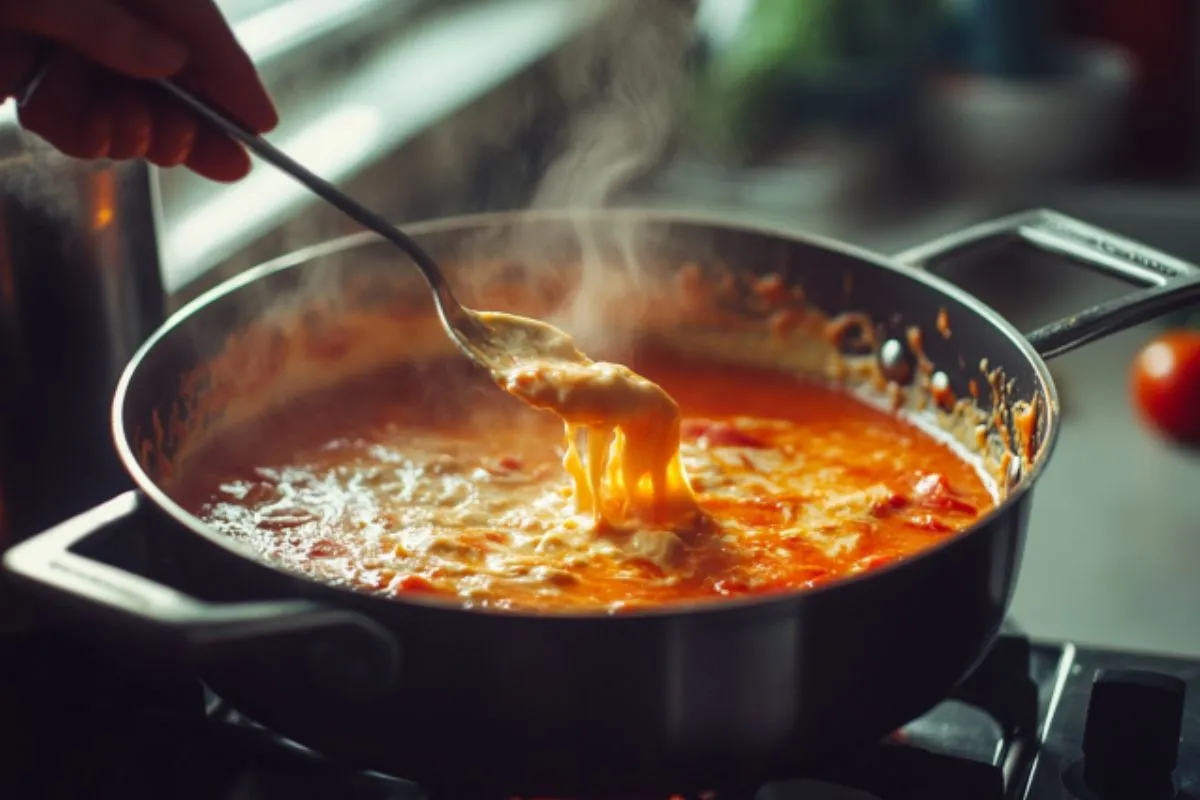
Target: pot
x=673 y=699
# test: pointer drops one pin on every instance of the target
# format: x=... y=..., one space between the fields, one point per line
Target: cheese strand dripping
x=622 y=431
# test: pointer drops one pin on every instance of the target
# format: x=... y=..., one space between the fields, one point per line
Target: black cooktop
x=73 y=726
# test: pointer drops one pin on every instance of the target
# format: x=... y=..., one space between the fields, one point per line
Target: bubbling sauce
x=425 y=480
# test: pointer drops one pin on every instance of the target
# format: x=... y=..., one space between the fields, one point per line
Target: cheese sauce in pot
x=770 y=484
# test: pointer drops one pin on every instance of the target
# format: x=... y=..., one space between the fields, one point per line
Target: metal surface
x=85 y=725
x=80 y=290
x=678 y=698
x=1171 y=283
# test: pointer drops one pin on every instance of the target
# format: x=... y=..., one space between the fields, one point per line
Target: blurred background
x=886 y=123
x=881 y=121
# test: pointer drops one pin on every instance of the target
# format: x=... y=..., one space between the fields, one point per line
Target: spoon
x=496 y=341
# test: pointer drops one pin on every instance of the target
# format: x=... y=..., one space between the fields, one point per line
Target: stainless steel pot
x=672 y=699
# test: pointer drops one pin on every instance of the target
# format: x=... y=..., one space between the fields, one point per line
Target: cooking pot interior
x=616 y=280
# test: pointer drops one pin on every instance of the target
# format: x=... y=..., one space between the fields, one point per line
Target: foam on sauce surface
x=464 y=495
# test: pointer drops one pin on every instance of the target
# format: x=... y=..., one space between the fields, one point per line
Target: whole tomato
x=1165 y=382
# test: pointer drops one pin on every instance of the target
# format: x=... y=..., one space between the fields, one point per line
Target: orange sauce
x=435 y=483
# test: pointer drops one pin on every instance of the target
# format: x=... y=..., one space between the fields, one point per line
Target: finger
x=101 y=31
x=61 y=112
x=174 y=133
x=129 y=110
x=217 y=157
x=218 y=69
x=17 y=60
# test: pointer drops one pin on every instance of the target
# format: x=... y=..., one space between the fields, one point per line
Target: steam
x=25 y=162
x=623 y=87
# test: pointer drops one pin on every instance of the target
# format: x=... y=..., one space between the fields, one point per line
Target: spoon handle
x=327 y=191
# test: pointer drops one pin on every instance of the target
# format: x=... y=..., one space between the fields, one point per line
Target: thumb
x=100 y=31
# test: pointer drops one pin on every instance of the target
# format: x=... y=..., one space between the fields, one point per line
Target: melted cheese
x=622 y=431
x=796 y=485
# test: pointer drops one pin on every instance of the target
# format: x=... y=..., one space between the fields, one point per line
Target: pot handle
x=317 y=648
x=1169 y=283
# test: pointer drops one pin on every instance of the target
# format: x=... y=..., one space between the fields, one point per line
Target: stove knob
x=1131 y=738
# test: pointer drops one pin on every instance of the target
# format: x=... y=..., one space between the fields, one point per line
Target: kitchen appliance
x=670 y=700
x=80 y=290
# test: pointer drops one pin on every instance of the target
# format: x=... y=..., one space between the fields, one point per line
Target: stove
x=76 y=726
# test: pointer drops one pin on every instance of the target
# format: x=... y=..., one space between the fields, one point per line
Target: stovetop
x=74 y=726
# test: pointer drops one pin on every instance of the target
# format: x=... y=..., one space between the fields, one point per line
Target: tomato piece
x=933 y=491
x=327 y=548
x=1165 y=384
x=414 y=583
x=884 y=507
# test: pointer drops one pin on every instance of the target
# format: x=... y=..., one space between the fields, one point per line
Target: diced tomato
x=933 y=491
x=893 y=502
x=414 y=583
x=327 y=548
x=282 y=519
x=503 y=466
x=260 y=493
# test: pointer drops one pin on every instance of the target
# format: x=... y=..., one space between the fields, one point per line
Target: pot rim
x=341 y=244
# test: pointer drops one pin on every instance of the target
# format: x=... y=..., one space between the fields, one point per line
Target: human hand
x=92 y=101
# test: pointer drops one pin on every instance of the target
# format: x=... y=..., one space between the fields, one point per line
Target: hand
x=91 y=103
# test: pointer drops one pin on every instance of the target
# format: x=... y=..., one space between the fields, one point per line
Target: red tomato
x=1166 y=384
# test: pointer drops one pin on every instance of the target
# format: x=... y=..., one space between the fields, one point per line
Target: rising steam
x=623 y=88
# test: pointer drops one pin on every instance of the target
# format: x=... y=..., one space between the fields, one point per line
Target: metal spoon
x=494 y=340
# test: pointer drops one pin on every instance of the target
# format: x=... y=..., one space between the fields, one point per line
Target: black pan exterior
x=687 y=700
